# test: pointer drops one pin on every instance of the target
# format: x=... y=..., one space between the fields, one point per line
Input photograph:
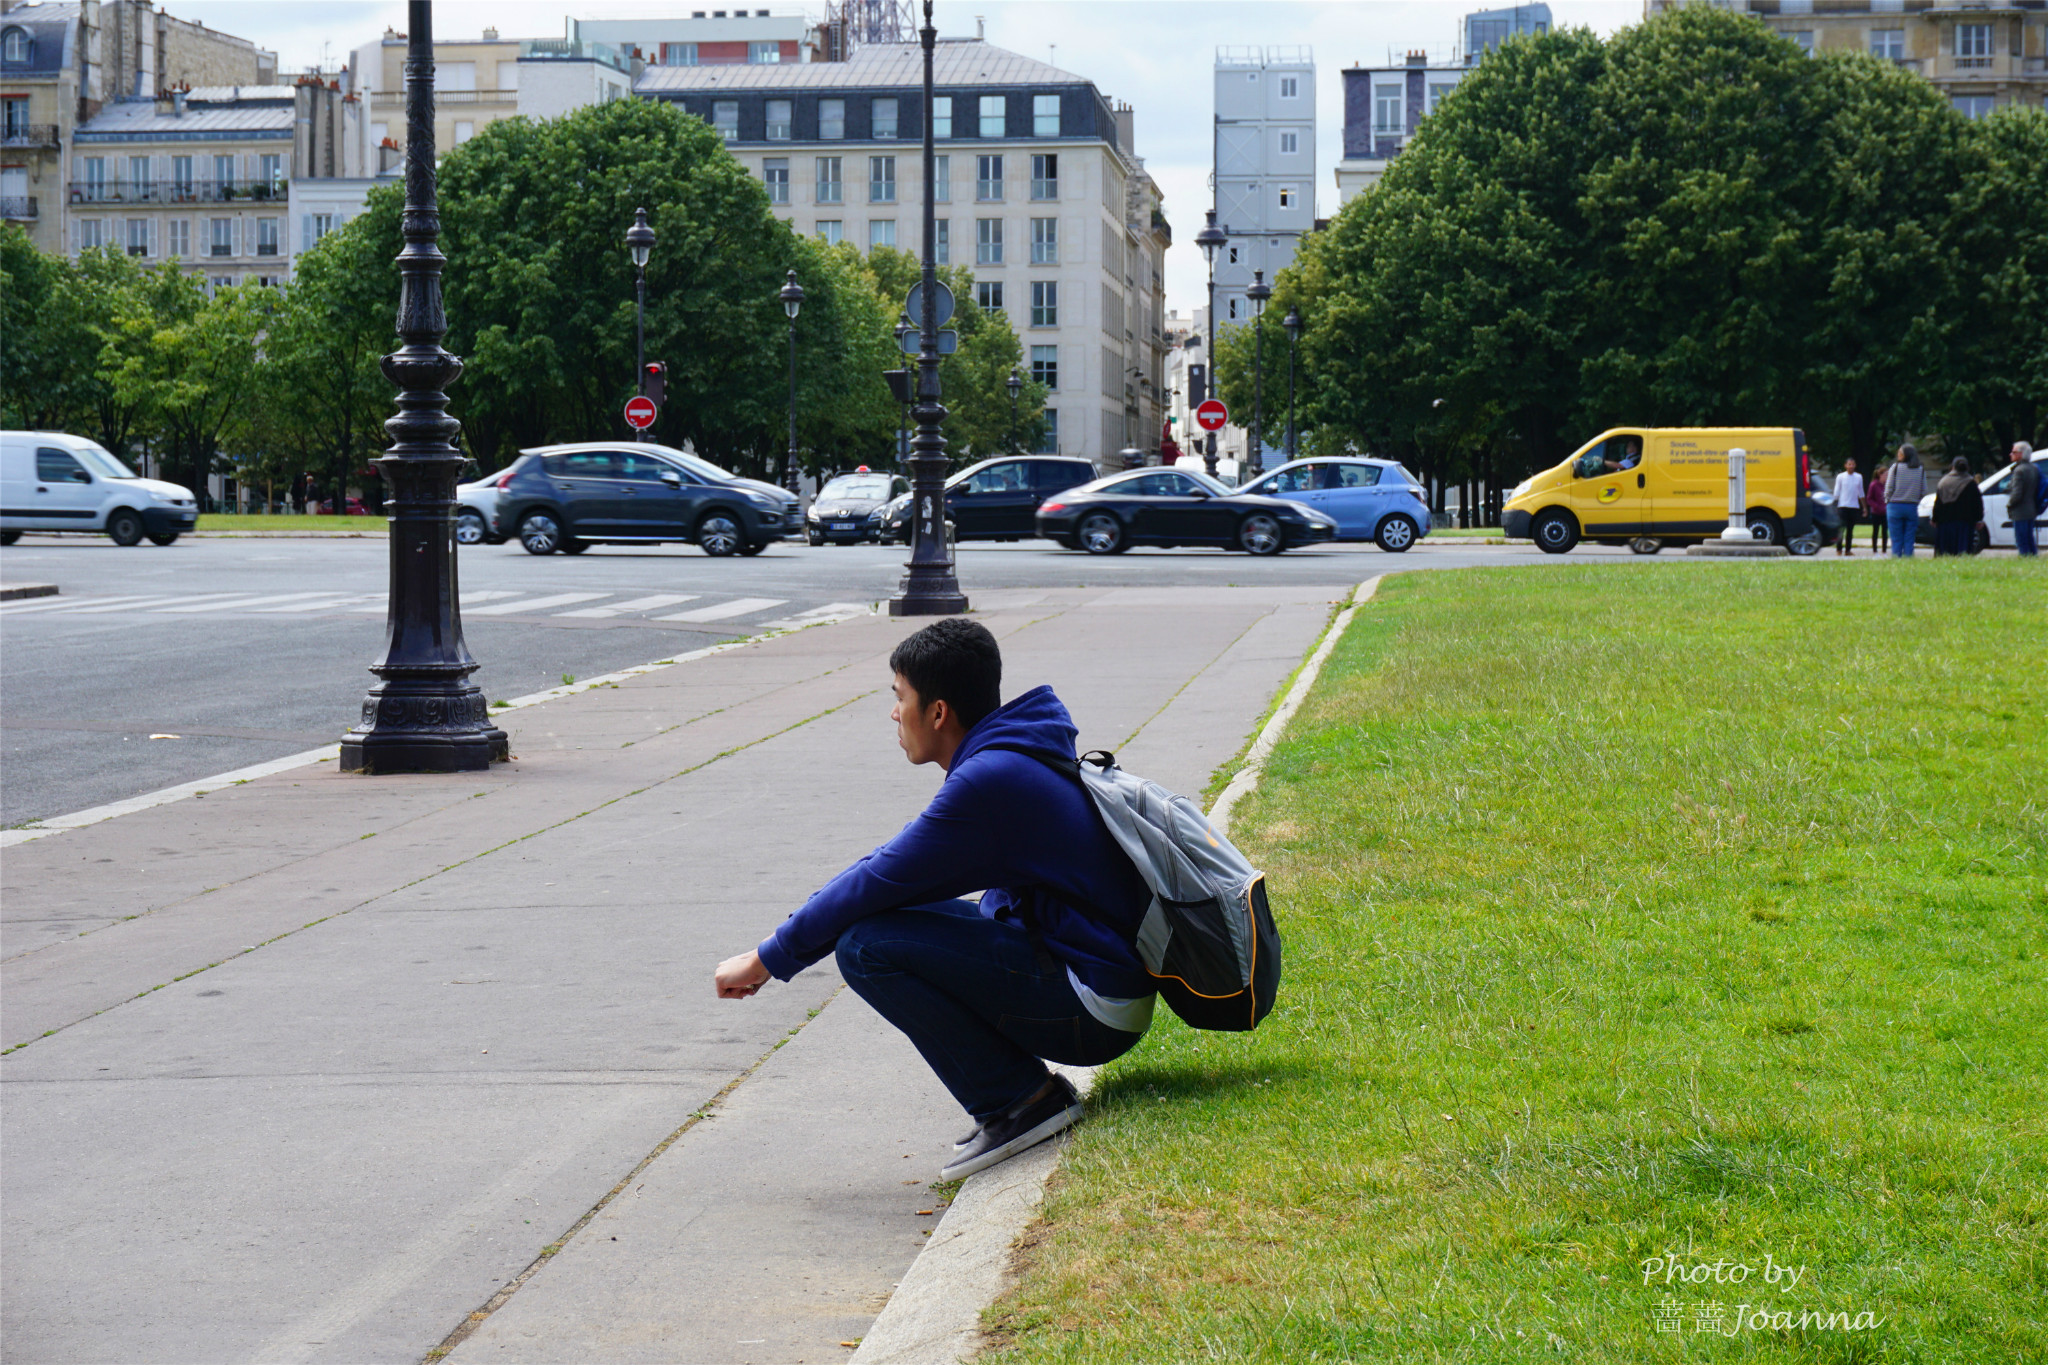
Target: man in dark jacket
x=1044 y=967
x=2024 y=500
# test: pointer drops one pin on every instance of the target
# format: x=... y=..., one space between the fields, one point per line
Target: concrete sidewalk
x=330 y=1068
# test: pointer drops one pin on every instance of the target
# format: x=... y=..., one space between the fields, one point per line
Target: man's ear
x=940 y=714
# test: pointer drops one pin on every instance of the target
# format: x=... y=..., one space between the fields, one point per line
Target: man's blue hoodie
x=1004 y=824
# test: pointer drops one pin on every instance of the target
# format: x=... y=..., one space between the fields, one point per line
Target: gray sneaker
x=1022 y=1128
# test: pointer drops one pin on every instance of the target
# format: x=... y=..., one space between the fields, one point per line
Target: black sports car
x=844 y=513
x=1176 y=507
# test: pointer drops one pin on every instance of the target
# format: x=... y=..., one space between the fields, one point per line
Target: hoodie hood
x=1036 y=720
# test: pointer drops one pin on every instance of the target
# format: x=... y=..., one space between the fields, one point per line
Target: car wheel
x=9 y=537
x=1764 y=527
x=124 y=527
x=1100 y=534
x=814 y=537
x=469 y=527
x=540 y=533
x=1260 y=534
x=1555 y=532
x=1646 y=545
x=573 y=547
x=718 y=535
x=167 y=538
x=1808 y=544
x=1980 y=540
x=1396 y=534
x=753 y=547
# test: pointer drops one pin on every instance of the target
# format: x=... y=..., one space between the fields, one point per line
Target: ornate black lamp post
x=1255 y=447
x=1015 y=384
x=422 y=715
x=792 y=302
x=640 y=241
x=1292 y=322
x=929 y=587
x=1211 y=239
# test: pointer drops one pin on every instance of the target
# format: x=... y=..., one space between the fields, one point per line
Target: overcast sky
x=1156 y=55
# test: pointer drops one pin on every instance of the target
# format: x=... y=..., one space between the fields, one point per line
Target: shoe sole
x=1024 y=1141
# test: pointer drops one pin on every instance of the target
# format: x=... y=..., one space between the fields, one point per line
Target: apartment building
x=707 y=38
x=207 y=177
x=1265 y=166
x=1980 y=53
x=1038 y=191
x=1487 y=29
x=61 y=63
x=1383 y=106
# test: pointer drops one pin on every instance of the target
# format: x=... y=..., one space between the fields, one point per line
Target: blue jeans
x=1902 y=524
x=977 y=999
x=2026 y=536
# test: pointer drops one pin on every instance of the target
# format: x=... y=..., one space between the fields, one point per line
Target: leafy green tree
x=49 y=351
x=191 y=365
x=1998 y=393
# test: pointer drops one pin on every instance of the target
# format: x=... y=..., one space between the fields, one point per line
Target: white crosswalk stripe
x=64 y=604
x=238 y=604
x=831 y=611
x=637 y=604
x=328 y=602
x=560 y=599
x=148 y=603
x=740 y=606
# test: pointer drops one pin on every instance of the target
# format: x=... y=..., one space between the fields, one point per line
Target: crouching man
x=1044 y=968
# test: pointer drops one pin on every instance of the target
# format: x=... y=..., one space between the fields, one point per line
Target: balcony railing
x=1045 y=189
x=395 y=99
x=29 y=135
x=173 y=192
x=16 y=210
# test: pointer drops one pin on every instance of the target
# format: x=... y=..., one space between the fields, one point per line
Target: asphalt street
x=247 y=650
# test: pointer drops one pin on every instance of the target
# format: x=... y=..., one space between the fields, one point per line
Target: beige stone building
x=1980 y=53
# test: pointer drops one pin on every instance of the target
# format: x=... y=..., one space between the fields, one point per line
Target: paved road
x=252 y=649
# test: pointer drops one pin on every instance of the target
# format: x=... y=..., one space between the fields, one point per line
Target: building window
x=775 y=175
x=678 y=54
x=179 y=238
x=764 y=54
x=1045 y=303
x=1045 y=241
x=1232 y=310
x=829 y=191
x=508 y=76
x=988 y=179
x=1290 y=87
x=942 y=179
x=455 y=75
x=1973 y=46
x=828 y=231
x=881 y=180
x=1045 y=116
x=831 y=118
x=138 y=236
x=1889 y=43
x=1049 y=443
x=988 y=241
x=91 y=233
x=465 y=129
x=16 y=45
x=95 y=178
x=138 y=176
x=942 y=116
x=270 y=171
x=1287 y=196
x=1972 y=106
x=223 y=173
x=1437 y=91
x=181 y=177
x=1045 y=367
x=1045 y=176
x=881 y=232
x=222 y=243
x=882 y=119
x=780 y=119
x=993 y=116
x=989 y=295
x=725 y=117
x=1386 y=109
x=942 y=241
x=1802 y=39
x=323 y=223
x=266 y=236
x=1290 y=143
x=220 y=282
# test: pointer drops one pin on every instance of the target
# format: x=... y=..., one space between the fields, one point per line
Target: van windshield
x=100 y=461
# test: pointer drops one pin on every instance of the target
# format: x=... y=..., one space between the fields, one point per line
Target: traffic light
x=1198 y=385
x=655 y=382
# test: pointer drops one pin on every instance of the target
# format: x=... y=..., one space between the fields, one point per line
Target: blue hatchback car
x=1370 y=499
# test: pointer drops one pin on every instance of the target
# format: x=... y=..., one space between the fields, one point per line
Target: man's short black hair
x=955 y=661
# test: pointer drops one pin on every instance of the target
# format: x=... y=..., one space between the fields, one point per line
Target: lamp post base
x=430 y=729
x=935 y=604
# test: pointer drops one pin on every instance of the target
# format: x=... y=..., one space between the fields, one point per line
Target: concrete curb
x=934 y=1317
x=22 y=590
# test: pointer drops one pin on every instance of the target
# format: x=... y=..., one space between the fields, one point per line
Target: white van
x=53 y=482
x=1995 y=531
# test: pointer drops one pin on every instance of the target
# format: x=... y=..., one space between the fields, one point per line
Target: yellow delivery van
x=1670 y=485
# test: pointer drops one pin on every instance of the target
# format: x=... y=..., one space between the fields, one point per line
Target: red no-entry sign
x=1212 y=415
x=640 y=413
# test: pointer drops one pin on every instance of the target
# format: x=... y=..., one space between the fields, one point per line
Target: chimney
x=980 y=29
x=1417 y=58
x=177 y=104
x=490 y=35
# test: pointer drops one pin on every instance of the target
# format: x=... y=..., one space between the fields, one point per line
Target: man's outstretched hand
x=739 y=977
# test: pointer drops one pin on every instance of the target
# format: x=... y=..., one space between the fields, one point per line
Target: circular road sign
x=1211 y=415
x=913 y=307
x=640 y=413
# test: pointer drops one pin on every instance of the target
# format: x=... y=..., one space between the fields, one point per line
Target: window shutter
x=305 y=232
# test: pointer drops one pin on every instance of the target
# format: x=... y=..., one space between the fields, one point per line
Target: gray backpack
x=1208 y=938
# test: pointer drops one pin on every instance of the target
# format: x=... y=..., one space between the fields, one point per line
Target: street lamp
x=792 y=303
x=1015 y=384
x=1292 y=322
x=423 y=714
x=1258 y=294
x=1211 y=238
x=640 y=241
x=929 y=587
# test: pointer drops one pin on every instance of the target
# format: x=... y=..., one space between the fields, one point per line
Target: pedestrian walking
x=1903 y=489
x=1849 y=493
x=1958 y=507
x=1044 y=968
x=1874 y=508
x=2025 y=499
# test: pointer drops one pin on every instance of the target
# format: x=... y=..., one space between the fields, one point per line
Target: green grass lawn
x=1636 y=921
x=260 y=521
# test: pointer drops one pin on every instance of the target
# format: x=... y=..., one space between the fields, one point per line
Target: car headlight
x=1518 y=490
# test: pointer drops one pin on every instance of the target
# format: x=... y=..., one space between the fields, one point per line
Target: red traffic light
x=654 y=381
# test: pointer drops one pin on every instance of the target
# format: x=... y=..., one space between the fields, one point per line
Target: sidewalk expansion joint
x=1132 y=737
x=548 y=1252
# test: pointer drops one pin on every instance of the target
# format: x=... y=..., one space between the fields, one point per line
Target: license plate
x=842 y=526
